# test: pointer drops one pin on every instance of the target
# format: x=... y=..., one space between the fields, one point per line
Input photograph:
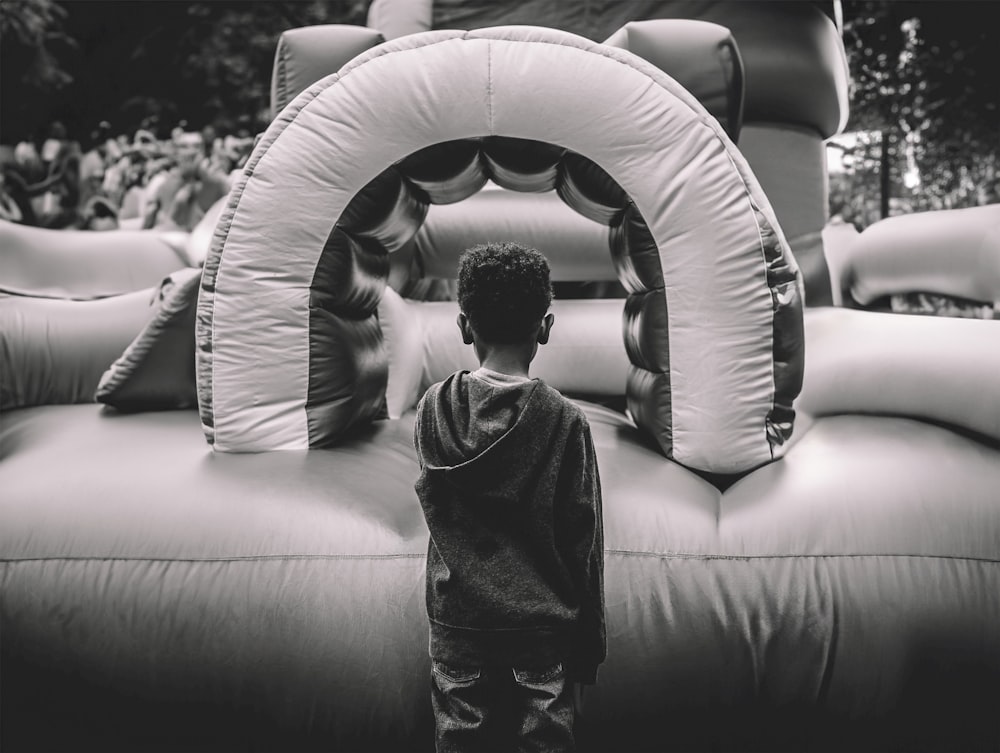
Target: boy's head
x=504 y=291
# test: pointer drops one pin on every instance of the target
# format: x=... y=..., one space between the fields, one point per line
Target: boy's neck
x=512 y=360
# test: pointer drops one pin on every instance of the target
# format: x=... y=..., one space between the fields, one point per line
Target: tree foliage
x=925 y=107
x=924 y=81
x=36 y=26
x=152 y=63
x=32 y=45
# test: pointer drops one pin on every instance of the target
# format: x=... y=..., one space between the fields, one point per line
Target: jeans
x=502 y=709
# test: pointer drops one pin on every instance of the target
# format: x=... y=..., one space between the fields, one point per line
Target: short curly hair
x=505 y=290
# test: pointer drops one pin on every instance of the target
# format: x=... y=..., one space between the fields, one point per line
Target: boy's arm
x=583 y=546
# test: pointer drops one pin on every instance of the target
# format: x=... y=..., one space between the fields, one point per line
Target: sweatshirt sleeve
x=418 y=431
x=583 y=546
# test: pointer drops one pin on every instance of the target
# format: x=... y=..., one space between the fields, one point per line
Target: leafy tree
x=227 y=49
x=32 y=41
x=150 y=63
x=924 y=108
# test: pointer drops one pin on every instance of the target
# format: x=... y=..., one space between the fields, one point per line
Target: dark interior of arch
x=348 y=364
x=391 y=208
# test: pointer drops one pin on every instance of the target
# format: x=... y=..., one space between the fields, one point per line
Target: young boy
x=510 y=490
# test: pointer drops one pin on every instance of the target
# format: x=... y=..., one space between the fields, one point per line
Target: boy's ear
x=545 y=328
x=466 y=328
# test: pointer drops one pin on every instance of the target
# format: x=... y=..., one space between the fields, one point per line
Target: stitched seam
x=522 y=629
x=489 y=82
x=848 y=555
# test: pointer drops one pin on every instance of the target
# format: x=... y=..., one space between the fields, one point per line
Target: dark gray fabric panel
x=792 y=52
x=305 y=55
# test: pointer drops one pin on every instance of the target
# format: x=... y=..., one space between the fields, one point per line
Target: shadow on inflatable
x=209 y=537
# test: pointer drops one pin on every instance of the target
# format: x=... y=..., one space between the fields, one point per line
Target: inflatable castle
x=209 y=537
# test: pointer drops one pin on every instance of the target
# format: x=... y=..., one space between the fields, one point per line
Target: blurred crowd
x=109 y=181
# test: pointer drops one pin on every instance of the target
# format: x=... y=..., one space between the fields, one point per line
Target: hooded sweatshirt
x=510 y=490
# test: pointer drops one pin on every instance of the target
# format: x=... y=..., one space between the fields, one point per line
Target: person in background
x=53 y=144
x=57 y=197
x=29 y=161
x=10 y=209
x=210 y=138
x=99 y=214
x=188 y=190
x=94 y=162
x=15 y=202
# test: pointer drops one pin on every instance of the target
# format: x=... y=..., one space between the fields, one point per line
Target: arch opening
x=388 y=212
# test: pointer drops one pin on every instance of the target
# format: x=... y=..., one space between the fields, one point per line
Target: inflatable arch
x=289 y=349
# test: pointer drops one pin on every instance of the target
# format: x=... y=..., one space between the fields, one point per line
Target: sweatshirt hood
x=475 y=431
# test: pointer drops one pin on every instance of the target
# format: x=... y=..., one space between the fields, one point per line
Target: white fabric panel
x=576 y=248
x=585 y=353
x=678 y=166
x=402 y=332
x=838 y=239
x=397 y=18
x=444 y=351
x=199 y=241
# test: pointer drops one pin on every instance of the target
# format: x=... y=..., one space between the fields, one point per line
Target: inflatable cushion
x=953 y=252
x=872 y=362
x=306 y=55
x=838 y=237
x=585 y=354
x=196 y=243
x=55 y=350
x=156 y=371
x=83 y=264
x=576 y=247
x=701 y=56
